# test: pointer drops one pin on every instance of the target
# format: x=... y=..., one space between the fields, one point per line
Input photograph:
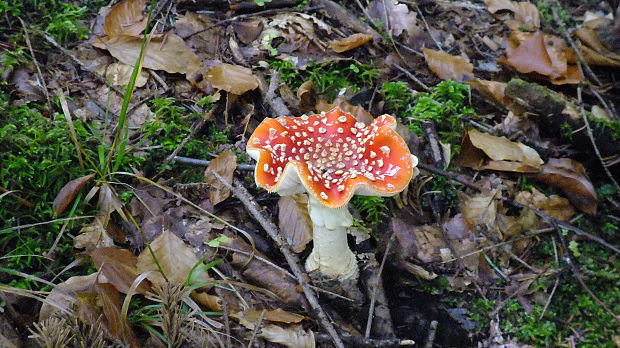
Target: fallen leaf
x=294 y=221
x=68 y=193
x=486 y=151
x=543 y=54
x=166 y=52
x=248 y=31
x=224 y=165
x=479 y=209
x=306 y=96
x=350 y=42
x=119 y=267
x=293 y=336
x=93 y=235
x=393 y=16
x=357 y=111
x=119 y=74
x=109 y=202
x=553 y=205
x=249 y=319
x=526 y=14
x=119 y=328
x=593 y=50
x=493 y=90
x=447 y=66
x=232 y=78
x=63 y=295
x=212 y=302
x=570 y=176
x=126 y=18
x=175 y=258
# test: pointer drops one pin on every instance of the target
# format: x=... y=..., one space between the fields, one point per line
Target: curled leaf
x=126 y=18
x=294 y=221
x=447 y=66
x=350 y=42
x=224 y=165
x=68 y=193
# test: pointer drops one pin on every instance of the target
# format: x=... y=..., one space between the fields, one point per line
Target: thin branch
x=244 y=196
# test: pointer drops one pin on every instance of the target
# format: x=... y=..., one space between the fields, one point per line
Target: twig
x=36 y=64
x=259 y=13
x=199 y=162
x=256 y=328
x=195 y=128
x=20 y=199
x=413 y=77
x=358 y=341
x=547 y=218
x=611 y=110
x=275 y=102
x=570 y=40
x=577 y=274
x=428 y=28
x=557 y=280
x=244 y=196
x=591 y=136
x=432 y=331
x=377 y=280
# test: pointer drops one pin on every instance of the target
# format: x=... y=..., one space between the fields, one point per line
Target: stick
x=200 y=162
x=413 y=77
x=244 y=196
x=432 y=331
x=376 y=278
x=36 y=64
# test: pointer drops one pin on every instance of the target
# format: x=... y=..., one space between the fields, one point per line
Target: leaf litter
x=449 y=238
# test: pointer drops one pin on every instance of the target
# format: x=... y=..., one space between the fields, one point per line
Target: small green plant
x=329 y=78
x=372 y=208
x=546 y=9
x=447 y=105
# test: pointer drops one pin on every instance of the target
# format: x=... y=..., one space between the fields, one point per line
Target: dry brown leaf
x=165 y=52
x=479 y=209
x=393 y=15
x=570 y=176
x=249 y=319
x=119 y=74
x=486 y=151
x=63 y=296
x=119 y=328
x=232 y=78
x=212 y=302
x=543 y=54
x=109 y=202
x=593 y=50
x=447 y=66
x=119 y=267
x=93 y=235
x=420 y=243
x=248 y=31
x=126 y=18
x=350 y=42
x=294 y=221
x=306 y=96
x=554 y=205
x=224 y=165
x=525 y=13
x=175 y=258
x=357 y=111
x=293 y=336
x=68 y=193
x=493 y=90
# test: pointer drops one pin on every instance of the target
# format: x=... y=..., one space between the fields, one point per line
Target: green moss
x=329 y=78
x=611 y=127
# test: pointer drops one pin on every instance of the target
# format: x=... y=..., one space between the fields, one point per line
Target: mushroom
x=332 y=157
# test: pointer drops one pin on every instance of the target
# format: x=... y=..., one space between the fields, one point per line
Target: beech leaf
x=294 y=221
x=570 y=176
x=126 y=18
x=232 y=78
x=350 y=42
x=224 y=165
x=447 y=66
x=68 y=193
x=119 y=267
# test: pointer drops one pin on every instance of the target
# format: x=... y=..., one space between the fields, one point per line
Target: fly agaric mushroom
x=332 y=157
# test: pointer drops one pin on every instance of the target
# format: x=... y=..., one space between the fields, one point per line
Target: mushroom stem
x=331 y=255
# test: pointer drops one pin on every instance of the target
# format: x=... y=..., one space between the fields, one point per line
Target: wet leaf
x=119 y=267
x=447 y=66
x=126 y=18
x=224 y=165
x=93 y=235
x=68 y=193
x=350 y=42
x=570 y=176
x=393 y=15
x=232 y=78
x=119 y=74
x=294 y=221
x=166 y=52
x=63 y=296
x=293 y=336
x=486 y=151
x=526 y=14
x=553 y=205
x=173 y=255
x=543 y=54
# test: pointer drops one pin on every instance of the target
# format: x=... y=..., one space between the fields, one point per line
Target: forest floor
x=130 y=215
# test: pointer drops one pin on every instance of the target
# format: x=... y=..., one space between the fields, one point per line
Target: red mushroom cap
x=333 y=155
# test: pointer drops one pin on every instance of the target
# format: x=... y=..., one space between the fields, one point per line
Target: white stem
x=331 y=255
